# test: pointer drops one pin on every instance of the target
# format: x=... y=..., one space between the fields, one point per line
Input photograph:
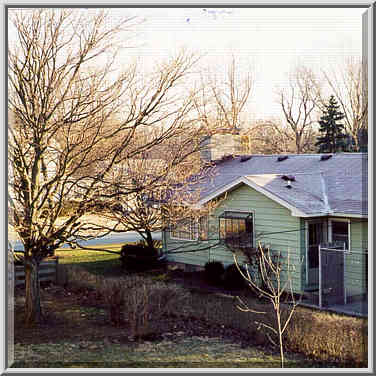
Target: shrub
x=113 y=292
x=146 y=301
x=76 y=277
x=214 y=271
x=157 y=244
x=139 y=257
x=232 y=279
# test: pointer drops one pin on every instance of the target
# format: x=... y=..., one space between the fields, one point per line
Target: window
x=191 y=229
x=315 y=237
x=236 y=229
x=203 y=227
x=340 y=232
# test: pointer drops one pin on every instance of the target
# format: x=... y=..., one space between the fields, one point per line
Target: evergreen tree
x=332 y=137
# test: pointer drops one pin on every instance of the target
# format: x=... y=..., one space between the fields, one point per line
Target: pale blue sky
x=269 y=41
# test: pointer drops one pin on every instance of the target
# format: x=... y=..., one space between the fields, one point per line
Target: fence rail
x=47 y=272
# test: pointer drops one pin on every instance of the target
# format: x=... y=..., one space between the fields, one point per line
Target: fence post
x=320 y=281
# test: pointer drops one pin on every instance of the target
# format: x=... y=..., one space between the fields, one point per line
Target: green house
x=313 y=206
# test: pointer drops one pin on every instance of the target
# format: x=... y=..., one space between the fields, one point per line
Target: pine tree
x=333 y=137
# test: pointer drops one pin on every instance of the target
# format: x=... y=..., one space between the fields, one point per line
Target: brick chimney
x=221 y=144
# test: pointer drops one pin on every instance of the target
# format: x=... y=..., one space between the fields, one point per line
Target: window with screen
x=236 y=229
x=191 y=229
x=340 y=232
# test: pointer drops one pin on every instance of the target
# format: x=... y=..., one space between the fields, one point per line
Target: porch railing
x=334 y=246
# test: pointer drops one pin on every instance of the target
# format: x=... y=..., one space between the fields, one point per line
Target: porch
x=341 y=284
x=354 y=306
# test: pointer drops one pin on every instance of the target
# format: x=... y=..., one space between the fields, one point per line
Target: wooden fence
x=47 y=272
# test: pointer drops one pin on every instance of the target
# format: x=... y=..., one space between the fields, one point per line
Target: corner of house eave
x=301 y=214
x=347 y=215
x=220 y=191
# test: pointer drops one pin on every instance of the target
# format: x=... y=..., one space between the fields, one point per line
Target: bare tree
x=62 y=144
x=271 y=136
x=299 y=102
x=164 y=182
x=224 y=100
x=349 y=85
x=273 y=282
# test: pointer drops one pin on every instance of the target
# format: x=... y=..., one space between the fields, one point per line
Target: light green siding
x=303 y=253
x=273 y=226
x=356 y=260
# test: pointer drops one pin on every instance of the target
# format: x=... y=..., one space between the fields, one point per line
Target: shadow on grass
x=105 y=268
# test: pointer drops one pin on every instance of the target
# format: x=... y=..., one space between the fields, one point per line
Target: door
x=314 y=238
x=332 y=277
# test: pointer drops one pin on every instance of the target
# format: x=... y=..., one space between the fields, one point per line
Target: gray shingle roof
x=336 y=185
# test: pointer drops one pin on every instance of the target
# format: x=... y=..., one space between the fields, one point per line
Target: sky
x=267 y=41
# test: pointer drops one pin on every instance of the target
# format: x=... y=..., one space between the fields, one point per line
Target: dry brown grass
x=329 y=336
x=318 y=335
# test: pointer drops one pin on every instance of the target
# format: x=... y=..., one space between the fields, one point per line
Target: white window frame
x=330 y=230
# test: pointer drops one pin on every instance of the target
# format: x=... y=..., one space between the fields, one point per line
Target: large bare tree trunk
x=33 y=310
x=68 y=137
x=149 y=239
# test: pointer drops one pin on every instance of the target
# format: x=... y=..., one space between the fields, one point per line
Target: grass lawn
x=205 y=331
x=181 y=352
x=94 y=261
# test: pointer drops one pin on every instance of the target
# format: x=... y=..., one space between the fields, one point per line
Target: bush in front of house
x=146 y=304
x=214 y=271
x=232 y=279
x=76 y=277
x=113 y=292
x=139 y=256
x=141 y=302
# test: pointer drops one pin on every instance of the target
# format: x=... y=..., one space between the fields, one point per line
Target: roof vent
x=282 y=158
x=245 y=158
x=288 y=177
x=226 y=157
x=325 y=157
